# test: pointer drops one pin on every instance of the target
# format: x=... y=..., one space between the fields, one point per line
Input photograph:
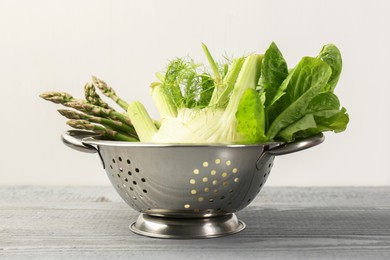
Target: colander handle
x=297 y=146
x=73 y=139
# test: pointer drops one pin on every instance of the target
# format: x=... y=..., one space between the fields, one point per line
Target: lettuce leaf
x=332 y=56
x=311 y=124
x=273 y=72
x=323 y=114
x=304 y=83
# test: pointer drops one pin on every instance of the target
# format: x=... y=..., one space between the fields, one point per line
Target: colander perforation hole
x=144 y=191
x=128 y=161
x=129 y=173
x=111 y=166
x=118 y=175
x=113 y=160
x=143 y=180
x=126 y=180
x=120 y=169
x=131 y=188
x=120 y=159
x=215 y=180
x=136 y=170
x=134 y=182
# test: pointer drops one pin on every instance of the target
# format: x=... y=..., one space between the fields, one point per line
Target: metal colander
x=185 y=191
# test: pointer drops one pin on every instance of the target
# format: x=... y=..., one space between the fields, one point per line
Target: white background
x=58 y=45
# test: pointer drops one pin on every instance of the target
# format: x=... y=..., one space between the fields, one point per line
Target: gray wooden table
x=282 y=223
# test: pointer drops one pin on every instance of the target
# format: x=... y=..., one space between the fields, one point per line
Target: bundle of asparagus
x=94 y=113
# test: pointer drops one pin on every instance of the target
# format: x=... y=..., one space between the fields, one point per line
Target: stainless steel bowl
x=186 y=190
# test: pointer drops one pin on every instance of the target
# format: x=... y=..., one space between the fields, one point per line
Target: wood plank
x=285 y=223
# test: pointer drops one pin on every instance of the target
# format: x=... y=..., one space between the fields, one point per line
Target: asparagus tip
x=56 y=97
x=71 y=114
x=62 y=111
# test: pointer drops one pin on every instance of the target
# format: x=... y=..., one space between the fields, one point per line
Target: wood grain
x=282 y=223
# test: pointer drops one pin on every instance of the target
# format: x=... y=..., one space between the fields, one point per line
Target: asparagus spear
x=59 y=97
x=109 y=92
x=85 y=125
x=93 y=98
x=114 y=124
x=81 y=105
x=98 y=111
x=92 y=110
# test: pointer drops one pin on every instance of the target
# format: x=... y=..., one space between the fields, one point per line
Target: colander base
x=187 y=228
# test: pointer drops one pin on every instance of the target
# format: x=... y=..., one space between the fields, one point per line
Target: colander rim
x=94 y=141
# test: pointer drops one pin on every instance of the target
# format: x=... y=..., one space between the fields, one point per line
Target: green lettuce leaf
x=273 y=72
x=304 y=83
x=323 y=114
x=311 y=124
x=305 y=123
x=331 y=55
